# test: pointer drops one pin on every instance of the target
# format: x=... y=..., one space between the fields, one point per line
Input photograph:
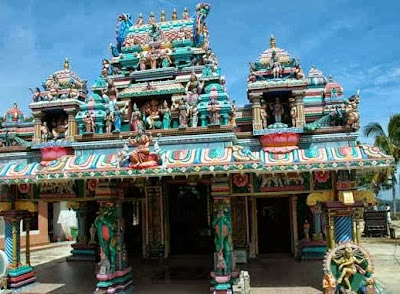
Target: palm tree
x=390 y=144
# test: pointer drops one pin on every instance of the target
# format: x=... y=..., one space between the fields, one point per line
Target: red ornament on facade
x=279 y=142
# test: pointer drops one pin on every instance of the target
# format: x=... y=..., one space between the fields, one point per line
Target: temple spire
x=272 y=42
x=66 y=64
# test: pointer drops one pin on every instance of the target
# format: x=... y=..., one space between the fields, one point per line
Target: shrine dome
x=266 y=56
x=333 y=89
x=14 y=114
x=64 y=79
x=316 y=78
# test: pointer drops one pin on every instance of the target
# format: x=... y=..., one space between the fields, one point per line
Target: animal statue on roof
x=331 y=119
x=199 y=27
x=122 y=28
x=352 y=113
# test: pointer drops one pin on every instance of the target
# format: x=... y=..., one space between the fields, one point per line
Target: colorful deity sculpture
x=264 y=114
x=223 y=239
x=276 y=66
x=152 y=112
x=45 y=132
x=109 y=122
x=348 y=269
x=141 y=156
x=165 y=60
x=193 y=89
x=199 y=26
x=166 y=115
x=89 y=123
x=277 y=110
x=293 y=111
x=232 y=114
x=183 y=114
x=306 y=230
x=107 y=228
x=117 y=115
x=37 y=95
x=214 y=109
x=136 y=118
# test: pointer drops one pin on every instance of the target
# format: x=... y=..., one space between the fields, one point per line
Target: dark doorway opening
x=273 y=225
x=189 y=225
x=133 y=216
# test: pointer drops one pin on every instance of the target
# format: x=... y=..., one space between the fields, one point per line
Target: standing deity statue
x=109 y=122
x=153 y=57
x=117 y=115
x=112 y=91
x=45 y=133
x=89 y=123
x=193 y=89
x=174 y=15
x=136 y=118
x=293 y=111
x=183 y=114
x=277 y=110
x=165 y=60
x=214 y=109
x=166 y=115
x=92 y=232
x=232 y=114
x=142 y=61
x=306 y=230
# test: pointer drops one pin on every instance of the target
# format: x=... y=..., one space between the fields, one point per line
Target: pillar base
x=116 y=282
x=20 y=277
x=222 y=284
x=83 y=252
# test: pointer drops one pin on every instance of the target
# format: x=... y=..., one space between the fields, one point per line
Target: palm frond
x=374 y=129
x=394 y=128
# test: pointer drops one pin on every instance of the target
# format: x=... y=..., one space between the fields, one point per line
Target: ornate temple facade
x=157 y=159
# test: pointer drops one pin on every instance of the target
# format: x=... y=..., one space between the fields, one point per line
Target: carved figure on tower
x=276 y=66
x=45 y=133
x=293 y=111
x=166 y=111
x=193 y=89
x=199 y=27
x=232 y=114
x=89 y=123
x=152 y=112
x=264 y=114
x=277 y=110
x=214 y=109
x=109 y=122
x=136 y=118
x=183 y=114
x=141 y=156
x=37 y=95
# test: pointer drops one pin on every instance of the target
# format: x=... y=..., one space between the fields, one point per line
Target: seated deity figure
x=277 y=110
x=152 y=113
x=142 y=141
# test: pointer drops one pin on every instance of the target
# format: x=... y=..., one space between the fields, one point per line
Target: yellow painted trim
x=325 y=196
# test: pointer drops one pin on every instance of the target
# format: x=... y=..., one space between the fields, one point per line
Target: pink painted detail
x=151 y=160
x=241 y=180
x=22 y=277
x=25 y=282
x=285 y=188
x=113 y=290
x=105 y=231
x=54 y=152
x=180 y=154
x=114 y=274
x=279 y=142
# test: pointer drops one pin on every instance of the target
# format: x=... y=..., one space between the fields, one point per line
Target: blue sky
x=354 y=40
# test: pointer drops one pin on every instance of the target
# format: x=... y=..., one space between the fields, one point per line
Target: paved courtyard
x=269 y=274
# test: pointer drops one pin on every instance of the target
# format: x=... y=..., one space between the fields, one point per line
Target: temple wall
x=37 y=237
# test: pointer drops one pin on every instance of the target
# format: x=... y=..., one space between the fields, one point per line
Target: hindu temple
x=158 y=160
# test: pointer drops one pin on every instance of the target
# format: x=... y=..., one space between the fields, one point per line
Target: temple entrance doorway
x=190 y=232
x=273 y=225
x=133 y=236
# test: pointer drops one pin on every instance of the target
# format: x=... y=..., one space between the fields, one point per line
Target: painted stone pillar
x=19 y=275
x=155 y=243
x=72 y=124
x=224 y=262
x=300 y=119
x=38 y=124
x=114 y=274
x=82 y=249
x=27 y=221
x=256 y=107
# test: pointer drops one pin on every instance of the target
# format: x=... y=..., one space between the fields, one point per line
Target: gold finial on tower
x=185 y=14
x=66 y=64
x=174 y=14
x=163 y=17
x=272 y=42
